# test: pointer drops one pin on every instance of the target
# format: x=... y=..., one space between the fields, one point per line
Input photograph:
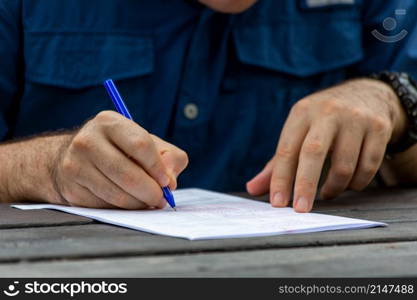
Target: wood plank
x=98 y=240
x=381 y=215
x=370 y=199
x=15 y=218
x=373 y=260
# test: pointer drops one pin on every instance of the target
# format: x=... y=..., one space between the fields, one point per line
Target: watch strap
x=406 y=89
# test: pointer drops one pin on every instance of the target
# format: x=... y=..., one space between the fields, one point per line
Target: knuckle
x=70 y=167
x=106 y=116
x=301 y=107
x=380 y=125
x=285 y=152
x=81 y=142
x=279 y=179
x=305 y=184
x=279 y=183
x=314 y=148
x=343 y=171
x=375 y=159
x=331 y=107
x=141 y=143
x=369 y=170
x=357 y=114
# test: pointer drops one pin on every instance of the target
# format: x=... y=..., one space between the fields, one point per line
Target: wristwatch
x=406 y=89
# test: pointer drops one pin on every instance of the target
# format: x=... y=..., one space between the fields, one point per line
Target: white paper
x=204 y=215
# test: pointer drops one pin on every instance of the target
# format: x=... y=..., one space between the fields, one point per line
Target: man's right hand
x=113 y=162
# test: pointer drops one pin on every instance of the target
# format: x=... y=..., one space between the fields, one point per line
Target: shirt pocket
x=291 y=38
x=80 y=60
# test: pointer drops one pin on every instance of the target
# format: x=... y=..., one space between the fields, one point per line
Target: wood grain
x=370 y=260
x=16 y=218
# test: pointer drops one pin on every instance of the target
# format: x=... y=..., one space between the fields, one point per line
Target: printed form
x=204 y=215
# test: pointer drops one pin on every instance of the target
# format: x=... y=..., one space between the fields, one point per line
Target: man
x=217 y=78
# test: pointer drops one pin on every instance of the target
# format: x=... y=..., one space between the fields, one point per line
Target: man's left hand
x=352 y=123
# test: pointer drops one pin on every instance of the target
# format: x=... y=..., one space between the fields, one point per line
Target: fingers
x=136 y=143
x=344 y=159
x=310 y=164
x=82 y=172
x=97 y=152
x=81 y=196
x=370 y=160
x=286 y=157
x=105 y=189
x=119 y=163
x=353 y=120
x=259 y=185
x=128 y=177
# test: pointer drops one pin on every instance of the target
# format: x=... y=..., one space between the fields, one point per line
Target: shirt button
x=191 y=111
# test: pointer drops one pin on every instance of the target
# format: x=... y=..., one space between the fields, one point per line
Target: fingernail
x=278 y=199
x=164 y=180
x=302 y=204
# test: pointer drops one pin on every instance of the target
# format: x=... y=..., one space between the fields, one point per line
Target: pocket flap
x=79 y=60
x=300 y=43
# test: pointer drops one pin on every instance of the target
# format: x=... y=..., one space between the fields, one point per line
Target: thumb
x=259 y=185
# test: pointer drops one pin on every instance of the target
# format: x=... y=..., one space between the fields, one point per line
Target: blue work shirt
x=218 y=86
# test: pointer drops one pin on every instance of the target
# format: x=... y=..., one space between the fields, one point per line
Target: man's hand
x=352 y=123
x=113 y=162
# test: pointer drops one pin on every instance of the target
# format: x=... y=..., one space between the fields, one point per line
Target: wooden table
x=44 y=243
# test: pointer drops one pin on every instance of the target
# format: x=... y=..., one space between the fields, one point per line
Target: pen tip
x=174 y=209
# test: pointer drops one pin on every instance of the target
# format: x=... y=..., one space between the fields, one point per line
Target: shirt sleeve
x=389 y=37
x=10 y=61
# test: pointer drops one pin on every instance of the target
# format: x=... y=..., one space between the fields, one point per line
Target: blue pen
x=122 y=109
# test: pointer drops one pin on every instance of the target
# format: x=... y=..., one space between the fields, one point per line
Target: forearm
x=27 y=168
